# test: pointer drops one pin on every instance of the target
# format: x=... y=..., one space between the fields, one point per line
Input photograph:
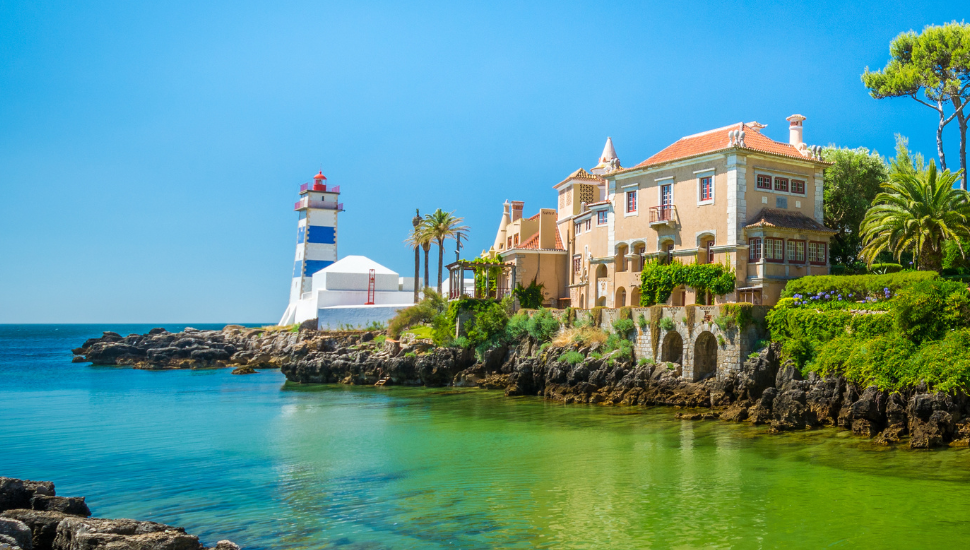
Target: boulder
x=43 y=525
x=74 y=506
x=17 y=531
x=246 y=369
x=790 y=411
x=226 y=545
x=13 y=494
x=932 y=420
x=109 y=534
x=8 y=543
x=869 y=412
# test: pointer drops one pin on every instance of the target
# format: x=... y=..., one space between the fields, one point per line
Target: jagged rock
x=74 y=506
x=16 y=493
x=43 y=525
x=8 y=543
x=110 y=534
x=932 y=420
x=226 y=545
x=790 y=411
x=18 y=531
x=246 y=369
x=868 y=412
x=738 y=412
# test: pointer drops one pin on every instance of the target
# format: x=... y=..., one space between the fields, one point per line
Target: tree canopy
x=933 y=68
x=851 y=183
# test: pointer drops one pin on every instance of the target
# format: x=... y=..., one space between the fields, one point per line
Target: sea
x=269 y=464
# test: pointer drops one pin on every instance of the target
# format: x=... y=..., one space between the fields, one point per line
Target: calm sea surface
x=271 y=465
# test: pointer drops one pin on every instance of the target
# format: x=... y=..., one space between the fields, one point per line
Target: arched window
x=620 y=260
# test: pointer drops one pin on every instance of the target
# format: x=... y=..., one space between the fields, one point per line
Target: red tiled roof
x=716 y=140
x=581 y=174
x=532 y=243
x=534 y=218
x=786 y=219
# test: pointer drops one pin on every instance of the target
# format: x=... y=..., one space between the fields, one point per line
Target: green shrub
x=517 y=327
x=541 y=326
x=572 y=357
x=530 y=297
x=859 y=286
x=379 y=340
x=410 y=354
x=943 y=364
x=885 y=268
x=461 y=342
x=423 y=312
x=376 y=326
x=658 y=280
x=645 y=361
x=643 y=322
x=666 y=323
x=625 y=328
x=930 y=308
x=875 y=361
x=720 y=340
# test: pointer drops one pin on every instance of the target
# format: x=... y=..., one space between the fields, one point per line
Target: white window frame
x=709 y=173
x=626 y=201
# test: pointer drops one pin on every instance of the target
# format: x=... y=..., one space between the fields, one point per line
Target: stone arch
x=672 y=349
x=638 y=248
x=601 y=301
x=705 y=356
x=601 y=271
x=635 y=297
x=620 y=298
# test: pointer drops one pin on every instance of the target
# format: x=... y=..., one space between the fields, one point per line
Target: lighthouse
x=316 y=236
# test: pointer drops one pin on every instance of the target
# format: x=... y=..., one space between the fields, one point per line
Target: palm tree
x=421 y=238
x=442 y=226
x=917 y=211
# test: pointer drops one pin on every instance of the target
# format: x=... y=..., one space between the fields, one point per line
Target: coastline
x=762 y=392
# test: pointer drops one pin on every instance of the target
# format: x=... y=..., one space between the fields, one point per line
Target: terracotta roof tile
x=581 y=174
x=534 y=218
x=786 y=219
x=532 y=243
x=716 y=140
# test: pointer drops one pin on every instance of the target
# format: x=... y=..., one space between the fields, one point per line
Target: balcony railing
x=663 y=214
x=305 y=203
x=319 y=187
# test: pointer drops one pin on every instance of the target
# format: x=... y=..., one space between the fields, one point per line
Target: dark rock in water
x=157 y=331
x=109 y=534
x=932 y=420
x=244 y=370
x=226 y=545
x=790 y=411
x=74 y=506
x=43 y=525
x=17 y=531
x=868 y=412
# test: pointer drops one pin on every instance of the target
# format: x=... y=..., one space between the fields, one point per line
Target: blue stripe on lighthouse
x=312 y=266
x=320 y=234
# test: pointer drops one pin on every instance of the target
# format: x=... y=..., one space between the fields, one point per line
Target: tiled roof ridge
x=581 y=174
x=718 y=140
x=532 y=243
x=785 y=219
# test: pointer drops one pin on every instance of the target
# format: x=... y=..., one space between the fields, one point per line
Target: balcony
x=306 y=203
x=663 y=215
x=318 y=187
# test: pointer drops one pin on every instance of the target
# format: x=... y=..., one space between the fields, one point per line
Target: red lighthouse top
x=318 y=180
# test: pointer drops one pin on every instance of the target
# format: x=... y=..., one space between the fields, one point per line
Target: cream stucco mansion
x=730 y=195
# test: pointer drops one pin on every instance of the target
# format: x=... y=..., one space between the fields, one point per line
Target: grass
x=421 y=332
x=581 y=335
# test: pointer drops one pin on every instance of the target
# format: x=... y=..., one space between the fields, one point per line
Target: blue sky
x=150 y=153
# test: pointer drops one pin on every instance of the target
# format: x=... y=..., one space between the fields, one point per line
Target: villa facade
x=730 y=195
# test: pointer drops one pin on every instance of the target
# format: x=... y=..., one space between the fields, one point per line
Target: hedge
x=860 y=285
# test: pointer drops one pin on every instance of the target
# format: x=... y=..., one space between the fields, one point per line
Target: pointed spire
x=608 y=152
x=502 y=228
x=608 y=160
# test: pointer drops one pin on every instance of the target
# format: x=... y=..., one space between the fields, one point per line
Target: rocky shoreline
x=33 y=517
x=762 y=392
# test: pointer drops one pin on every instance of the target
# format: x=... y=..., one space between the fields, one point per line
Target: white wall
x=330 y=298
x=355 y=316
x=331 y=281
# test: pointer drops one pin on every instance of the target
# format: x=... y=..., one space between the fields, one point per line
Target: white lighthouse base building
x=339 y=295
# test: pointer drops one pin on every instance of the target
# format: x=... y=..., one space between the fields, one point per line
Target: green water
x=272 y=465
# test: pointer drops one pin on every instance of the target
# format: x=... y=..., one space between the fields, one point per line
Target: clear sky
x=151 y=152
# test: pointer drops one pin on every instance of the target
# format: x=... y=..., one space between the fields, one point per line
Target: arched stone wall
x=704 y=360
x=620 y=299
x=672 y=348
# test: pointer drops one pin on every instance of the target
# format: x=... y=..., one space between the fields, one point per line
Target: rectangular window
x=515 y=240
x=707 y=188
x=509 y=243
x=764 y=181
x=579 y=227
x=577 y=263
x=798 y=186
x=631 y=201
x=796 y=252
x=817 y=253
x=666 y=195
x=670 y=252
x=601 y=217
x=710 y=252
x=754 y=249
x=589 y=224
x=781 y=184
x=774 y=250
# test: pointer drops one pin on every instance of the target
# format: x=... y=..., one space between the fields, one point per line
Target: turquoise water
x=269 y=465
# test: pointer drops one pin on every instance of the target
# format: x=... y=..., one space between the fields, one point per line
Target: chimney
x=517 y=210
x=795 y=130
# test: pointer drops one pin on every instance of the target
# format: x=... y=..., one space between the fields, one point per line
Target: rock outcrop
x=50 y=522
x=763 y=391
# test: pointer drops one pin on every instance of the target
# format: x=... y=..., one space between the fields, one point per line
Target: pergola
x=503 y=285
